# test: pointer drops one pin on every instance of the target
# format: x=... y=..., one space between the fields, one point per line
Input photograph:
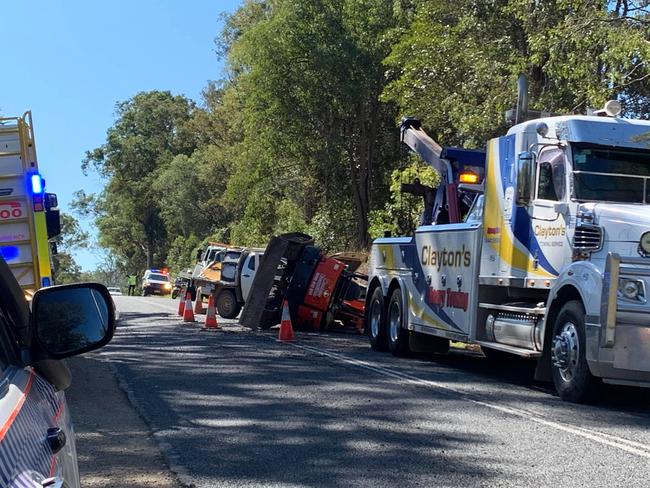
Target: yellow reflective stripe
x=43 y=247
x=507 y=247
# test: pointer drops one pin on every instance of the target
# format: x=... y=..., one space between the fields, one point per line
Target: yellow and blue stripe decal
x=517 y=245
x=396 y=254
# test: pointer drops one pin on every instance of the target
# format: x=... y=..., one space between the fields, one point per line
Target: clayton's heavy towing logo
x=437 y=259
x=447 y=297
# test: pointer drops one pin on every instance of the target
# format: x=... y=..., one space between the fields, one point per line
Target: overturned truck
x=321 y=291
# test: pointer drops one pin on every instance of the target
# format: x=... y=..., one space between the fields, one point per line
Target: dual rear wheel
x=384 y=324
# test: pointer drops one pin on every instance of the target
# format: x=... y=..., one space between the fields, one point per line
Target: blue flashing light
x=46 y=281
x=37 y=183
x=9 y=253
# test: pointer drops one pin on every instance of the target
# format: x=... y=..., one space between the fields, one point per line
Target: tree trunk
x=149 y=254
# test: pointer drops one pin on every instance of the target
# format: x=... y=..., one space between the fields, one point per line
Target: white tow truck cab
x=552 y=262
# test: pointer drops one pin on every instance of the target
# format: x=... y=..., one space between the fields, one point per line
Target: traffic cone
x=198 y=303
x=286 y=329
x=211 y=315
x=188 y=314
x=181 y=302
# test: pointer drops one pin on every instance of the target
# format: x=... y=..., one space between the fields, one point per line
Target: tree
x=455 y=64
x=309 y=75
x=64 y=267
x=150 y=130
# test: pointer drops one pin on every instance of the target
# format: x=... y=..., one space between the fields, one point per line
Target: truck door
x=548 y=241
x=248 y=273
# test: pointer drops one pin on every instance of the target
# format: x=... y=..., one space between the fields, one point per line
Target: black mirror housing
x=68 y=320
x=525 y=178
x=53 y=223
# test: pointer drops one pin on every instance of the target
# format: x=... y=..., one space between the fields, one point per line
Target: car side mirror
x=72 y=319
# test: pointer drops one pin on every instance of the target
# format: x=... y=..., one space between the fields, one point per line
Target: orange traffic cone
x=188 y=314
x=198 y=304
x=286 y=329
x=211 y=315
x=181 y=302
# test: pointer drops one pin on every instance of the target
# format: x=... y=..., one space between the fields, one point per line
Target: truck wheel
x=398 y=336
x=376 y=321
x=571 y=376
x=227 y=305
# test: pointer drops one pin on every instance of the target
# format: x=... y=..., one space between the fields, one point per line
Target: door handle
x=246 y=276
x=56 y=439
x=53 y=483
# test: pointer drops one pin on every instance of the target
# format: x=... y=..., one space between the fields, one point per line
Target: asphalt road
x=235 y=408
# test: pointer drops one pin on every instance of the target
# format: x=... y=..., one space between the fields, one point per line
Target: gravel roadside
x=115 y=446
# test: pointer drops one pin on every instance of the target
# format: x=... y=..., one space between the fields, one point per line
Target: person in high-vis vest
x=131 y=282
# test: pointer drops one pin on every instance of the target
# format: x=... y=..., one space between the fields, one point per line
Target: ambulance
x=28 y=214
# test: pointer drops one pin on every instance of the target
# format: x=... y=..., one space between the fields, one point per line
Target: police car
x=156 y=282
x=37 y=446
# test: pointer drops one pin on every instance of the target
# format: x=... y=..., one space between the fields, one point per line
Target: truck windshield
x=611 y=174
x=159 y=277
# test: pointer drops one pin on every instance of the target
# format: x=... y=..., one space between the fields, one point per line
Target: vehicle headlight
x=632 y=289
x=167 y=286
x=644 y=244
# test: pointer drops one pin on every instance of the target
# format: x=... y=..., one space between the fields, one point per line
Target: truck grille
x=588 y=237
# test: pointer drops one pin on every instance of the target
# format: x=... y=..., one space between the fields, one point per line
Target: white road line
x=170 y=307
x=621 y=443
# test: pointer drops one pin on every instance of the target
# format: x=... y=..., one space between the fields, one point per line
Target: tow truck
x=551 y=260
x=28 y=215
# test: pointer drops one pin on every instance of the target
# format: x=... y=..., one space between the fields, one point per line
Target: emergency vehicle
x=37 y=444
x=28 y=217
x=156 y=282
x=551 y=262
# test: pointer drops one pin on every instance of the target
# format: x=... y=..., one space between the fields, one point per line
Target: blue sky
x=71 y=61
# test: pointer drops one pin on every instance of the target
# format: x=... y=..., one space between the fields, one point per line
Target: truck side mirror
x=525 y=177
x=199 y=253
x=53 y=223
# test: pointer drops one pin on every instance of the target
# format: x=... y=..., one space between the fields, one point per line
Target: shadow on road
x=241 y=409
x=114 y=445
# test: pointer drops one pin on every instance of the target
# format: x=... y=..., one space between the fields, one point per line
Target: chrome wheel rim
x=375 y=318
x=566 y=351
x=395 y=321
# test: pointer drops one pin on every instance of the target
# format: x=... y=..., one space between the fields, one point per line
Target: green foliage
x=455 y=64
x=401 y=213
x=64 y=267
x=309 y=75
x=333 y=228
x=150 y=130
x=182 y=253
x=302 y=135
